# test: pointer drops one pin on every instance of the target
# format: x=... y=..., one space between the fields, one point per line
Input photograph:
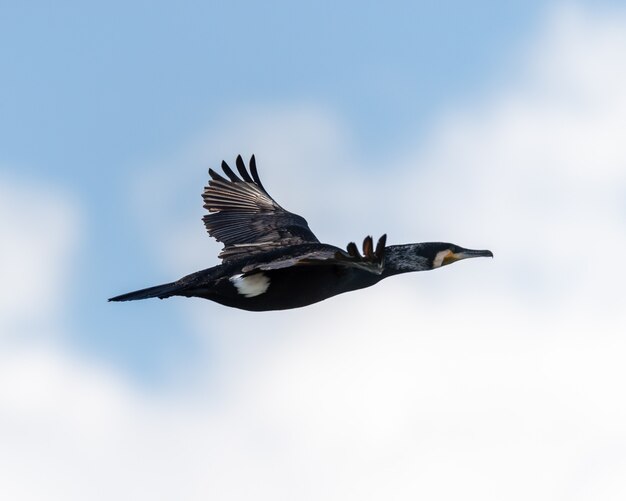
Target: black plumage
x=271 y=259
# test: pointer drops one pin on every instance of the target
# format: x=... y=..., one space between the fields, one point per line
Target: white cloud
x=39 y=228
x=486 y=380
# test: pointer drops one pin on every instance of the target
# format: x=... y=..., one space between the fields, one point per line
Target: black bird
x=272 y=260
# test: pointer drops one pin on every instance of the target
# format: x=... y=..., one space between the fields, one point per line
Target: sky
x=487 y=125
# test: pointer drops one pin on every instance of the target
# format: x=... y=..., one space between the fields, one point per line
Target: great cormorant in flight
x=271 y=260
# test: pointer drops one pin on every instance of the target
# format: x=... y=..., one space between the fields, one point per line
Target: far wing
x=372 y=260
x=246 y=218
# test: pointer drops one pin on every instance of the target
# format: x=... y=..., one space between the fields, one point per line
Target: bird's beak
x=466 y=253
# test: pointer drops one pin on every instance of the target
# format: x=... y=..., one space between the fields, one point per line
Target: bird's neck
x=403 y=259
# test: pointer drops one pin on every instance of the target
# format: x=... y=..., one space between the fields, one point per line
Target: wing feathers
x=242 y=170
x=243 y=214
x=254 y=172
x=228 y=171
x=372 y=261
x=248 y=221
x=216 y=176
x=352 y=249
x=368 y=250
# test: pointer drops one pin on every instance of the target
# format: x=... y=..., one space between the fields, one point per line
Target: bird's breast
x=288 y=288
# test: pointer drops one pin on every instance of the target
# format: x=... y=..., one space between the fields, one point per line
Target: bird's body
x=272 y=260
x=274 y=289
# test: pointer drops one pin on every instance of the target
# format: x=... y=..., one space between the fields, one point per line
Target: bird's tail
x=160 y=291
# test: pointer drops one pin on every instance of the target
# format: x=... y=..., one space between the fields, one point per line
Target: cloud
x=485 y=380
x=40 y=229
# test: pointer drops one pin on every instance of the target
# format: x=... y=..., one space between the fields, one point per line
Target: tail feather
x=160 y=291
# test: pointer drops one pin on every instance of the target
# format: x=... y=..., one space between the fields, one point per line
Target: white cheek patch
x=441 y=255
x=251 y=285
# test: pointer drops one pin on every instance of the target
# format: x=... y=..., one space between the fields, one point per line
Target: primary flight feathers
x=246 y=218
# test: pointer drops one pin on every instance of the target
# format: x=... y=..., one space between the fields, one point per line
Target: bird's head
x=440 y=254
x=426 y=256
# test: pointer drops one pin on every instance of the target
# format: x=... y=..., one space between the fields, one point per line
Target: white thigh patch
x=251 y=285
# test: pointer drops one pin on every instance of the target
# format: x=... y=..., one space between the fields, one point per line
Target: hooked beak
x=465 y=254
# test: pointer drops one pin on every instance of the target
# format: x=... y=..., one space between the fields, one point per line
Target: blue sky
x=117 y=79
x=489 y=124
x=91 y=91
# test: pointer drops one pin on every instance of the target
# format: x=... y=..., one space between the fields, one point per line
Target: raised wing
x=372 y=260
x=246 y=218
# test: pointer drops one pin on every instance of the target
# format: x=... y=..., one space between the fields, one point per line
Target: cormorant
x=271 y=260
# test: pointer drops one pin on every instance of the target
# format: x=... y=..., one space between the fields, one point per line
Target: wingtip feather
x=215 y=176
x=368 y=245
x=255 y=173
x=241 y=167
x=229 y=172
x=380 y=246
x=352 y=249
